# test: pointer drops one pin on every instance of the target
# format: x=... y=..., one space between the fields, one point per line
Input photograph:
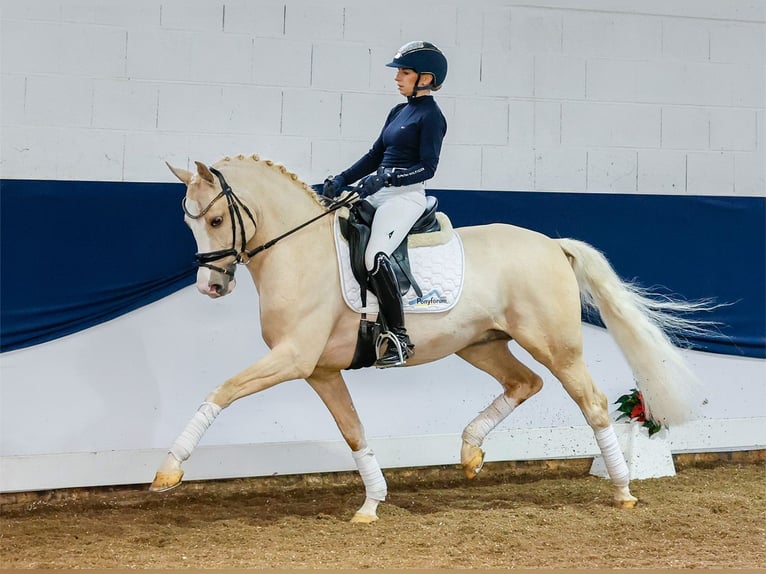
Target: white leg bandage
x=477 y=430
x=194 y=430
x=613 y=457
x=372 y=477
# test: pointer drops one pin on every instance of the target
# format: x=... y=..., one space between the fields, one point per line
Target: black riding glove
x=333 y=186
x=375 y=182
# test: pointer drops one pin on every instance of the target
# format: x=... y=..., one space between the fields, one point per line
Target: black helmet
x=424 y=58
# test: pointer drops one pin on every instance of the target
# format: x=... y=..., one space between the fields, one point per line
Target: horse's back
x=511 y=248
x=519 y=272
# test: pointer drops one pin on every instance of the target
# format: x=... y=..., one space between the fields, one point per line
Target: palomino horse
x=518 y=285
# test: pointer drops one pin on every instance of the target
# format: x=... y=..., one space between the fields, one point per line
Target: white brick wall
x=583 y=95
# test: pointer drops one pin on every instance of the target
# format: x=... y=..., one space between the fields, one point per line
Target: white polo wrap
x=478 y=429
x=372 y=477
x=613 y=457
x=195 y=428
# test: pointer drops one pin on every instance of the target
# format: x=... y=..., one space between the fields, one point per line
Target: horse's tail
x=640 y=323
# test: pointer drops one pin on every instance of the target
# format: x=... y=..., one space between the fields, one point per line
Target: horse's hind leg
x=519 y=383
x=577 y=381
x=331 y=388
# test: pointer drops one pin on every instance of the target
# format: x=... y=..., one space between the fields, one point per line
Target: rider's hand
x=375 y=182
x=333 y=186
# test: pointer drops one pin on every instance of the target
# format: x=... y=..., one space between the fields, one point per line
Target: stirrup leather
x=397 y=351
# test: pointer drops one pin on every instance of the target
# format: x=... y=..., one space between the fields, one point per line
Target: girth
x=356 y=230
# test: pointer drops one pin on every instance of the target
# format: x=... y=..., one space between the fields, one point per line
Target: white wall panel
x=482 y=121
x=685 y=39
x=372 y=24
x=125 y=105
x=559 y=77
x=661 y=172
x=280 y=62
x=459 y=167
x=100 y=154
x=558 y=169
x=143 y=55
x=503 y=165
x=737 y=42
x=613 y=171
x=72 y=105
x=685 y=128
x=610 y=125
x=495 y=24
x=134 y=14
x=609 y=35
x=749 y=173
x=536 y=31
x=355 y=117
x=320 y=21
x=311 y=113
x=507 y=74
x=262 y=19
x=340 y=67
x=710 y=173
x=732 y=129
x=221 y=58
x=201 y=15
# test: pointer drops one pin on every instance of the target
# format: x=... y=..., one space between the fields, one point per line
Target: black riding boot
x=383 y=282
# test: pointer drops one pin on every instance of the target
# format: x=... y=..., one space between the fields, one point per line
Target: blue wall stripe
x=75 y=254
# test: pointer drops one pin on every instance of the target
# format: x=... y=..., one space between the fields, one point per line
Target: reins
x=243 y=256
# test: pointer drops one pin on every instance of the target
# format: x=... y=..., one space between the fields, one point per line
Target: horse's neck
x=280 y=205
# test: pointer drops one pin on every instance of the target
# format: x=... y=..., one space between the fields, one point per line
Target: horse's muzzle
x=215 y=284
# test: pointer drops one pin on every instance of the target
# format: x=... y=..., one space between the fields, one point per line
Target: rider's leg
x=384 y=283
x=397 y=209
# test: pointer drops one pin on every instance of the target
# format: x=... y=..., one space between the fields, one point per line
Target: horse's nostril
x=215 y=288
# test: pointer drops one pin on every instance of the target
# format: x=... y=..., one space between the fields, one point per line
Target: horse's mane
x=275 y=166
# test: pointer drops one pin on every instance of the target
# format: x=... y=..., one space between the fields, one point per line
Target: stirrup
x=397 y=352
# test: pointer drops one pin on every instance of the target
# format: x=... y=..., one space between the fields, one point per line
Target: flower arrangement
x=632 y=407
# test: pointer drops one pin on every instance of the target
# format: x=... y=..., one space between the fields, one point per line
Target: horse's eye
x=216 y=221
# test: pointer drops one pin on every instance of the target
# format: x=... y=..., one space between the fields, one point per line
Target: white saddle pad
x=437 y=268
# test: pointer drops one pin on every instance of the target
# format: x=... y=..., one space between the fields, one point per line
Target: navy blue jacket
x=411 y=139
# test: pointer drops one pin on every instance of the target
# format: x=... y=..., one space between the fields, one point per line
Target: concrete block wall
x=587 y=95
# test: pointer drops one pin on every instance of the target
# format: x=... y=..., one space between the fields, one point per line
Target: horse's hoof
x=630 y=503
x=473 y=466
x=165 y=481
x=360 y=518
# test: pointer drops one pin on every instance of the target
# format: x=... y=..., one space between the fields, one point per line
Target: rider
x=393 y=174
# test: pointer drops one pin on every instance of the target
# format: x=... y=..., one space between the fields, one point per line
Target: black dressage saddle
x=356 y=230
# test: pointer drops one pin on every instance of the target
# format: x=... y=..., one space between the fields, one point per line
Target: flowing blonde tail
x=640 y=322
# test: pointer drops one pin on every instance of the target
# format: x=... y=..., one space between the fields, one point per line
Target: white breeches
x=396 y=211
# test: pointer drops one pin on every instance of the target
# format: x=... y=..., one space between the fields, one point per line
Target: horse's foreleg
x=332 y=389
x=281 y=364
x=519 y=383
x=169 y=474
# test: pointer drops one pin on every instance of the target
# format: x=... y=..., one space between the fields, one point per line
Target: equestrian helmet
x=424 y=58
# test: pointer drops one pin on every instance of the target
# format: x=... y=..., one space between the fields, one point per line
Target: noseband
x=236 y=207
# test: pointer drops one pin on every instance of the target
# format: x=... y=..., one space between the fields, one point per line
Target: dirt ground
x=711 y=514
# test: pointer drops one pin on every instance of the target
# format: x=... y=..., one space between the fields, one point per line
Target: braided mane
x=276 y=166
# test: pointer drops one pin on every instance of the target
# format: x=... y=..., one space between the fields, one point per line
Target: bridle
x=236 y=207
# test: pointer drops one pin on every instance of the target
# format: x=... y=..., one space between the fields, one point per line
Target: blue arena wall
x=75 y=254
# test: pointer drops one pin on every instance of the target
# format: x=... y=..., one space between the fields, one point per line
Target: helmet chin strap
x=417 y=88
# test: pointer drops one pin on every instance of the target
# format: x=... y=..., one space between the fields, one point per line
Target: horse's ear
x=204 y=172
x=182 y=174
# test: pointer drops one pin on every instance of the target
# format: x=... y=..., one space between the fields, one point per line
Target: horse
x=519 y=285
